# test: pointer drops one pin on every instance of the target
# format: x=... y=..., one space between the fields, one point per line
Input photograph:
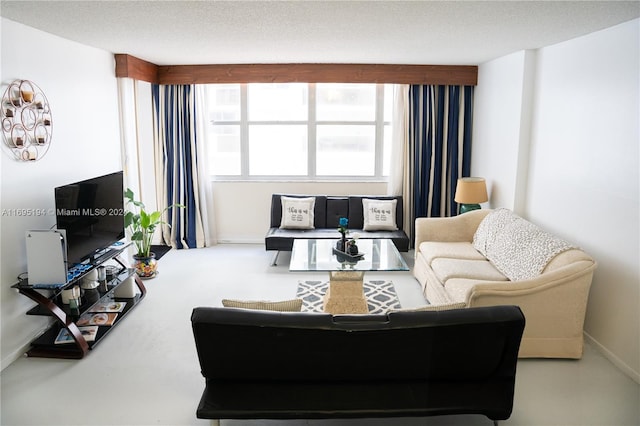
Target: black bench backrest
x=329 y=209
x=337 y=207
x=463 y=344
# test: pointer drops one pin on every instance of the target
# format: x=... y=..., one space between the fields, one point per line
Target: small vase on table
x=342 y=228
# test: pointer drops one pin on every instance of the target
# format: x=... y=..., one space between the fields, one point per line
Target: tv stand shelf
x=51 y=305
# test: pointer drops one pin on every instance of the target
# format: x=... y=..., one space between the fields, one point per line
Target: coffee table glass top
x=317 y=255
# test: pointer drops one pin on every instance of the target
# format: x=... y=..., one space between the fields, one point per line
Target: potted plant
x=142 y=225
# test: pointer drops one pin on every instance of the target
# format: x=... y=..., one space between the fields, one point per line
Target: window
x=299 y=131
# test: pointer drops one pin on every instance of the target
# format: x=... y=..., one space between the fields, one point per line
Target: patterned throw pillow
x=297 y=213
x=293 y=305
x=379 y=215
x=433 y=308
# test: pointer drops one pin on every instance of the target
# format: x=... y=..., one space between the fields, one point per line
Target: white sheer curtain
x=128 y=133
x=400 y=173
x=206 y=184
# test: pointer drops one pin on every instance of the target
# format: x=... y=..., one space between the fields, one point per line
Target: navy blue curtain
x=440 y=145
x=176 y=162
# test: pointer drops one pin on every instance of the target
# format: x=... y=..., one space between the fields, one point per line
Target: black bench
x=327 y=212
x=284 y=365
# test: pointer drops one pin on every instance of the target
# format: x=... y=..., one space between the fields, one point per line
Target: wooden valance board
x=131 y=67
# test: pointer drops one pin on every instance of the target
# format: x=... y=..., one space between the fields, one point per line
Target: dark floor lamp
x=470 y=192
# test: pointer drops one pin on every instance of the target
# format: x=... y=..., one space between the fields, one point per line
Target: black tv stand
x=51 y=305
x=102 y=255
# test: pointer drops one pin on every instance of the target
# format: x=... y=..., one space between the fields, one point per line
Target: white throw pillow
x=297 y=213
x=379 y=215
x=293 y=305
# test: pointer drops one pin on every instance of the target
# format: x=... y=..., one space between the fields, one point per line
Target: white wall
x=582 y=174
x=496 y=127
x=80 y=85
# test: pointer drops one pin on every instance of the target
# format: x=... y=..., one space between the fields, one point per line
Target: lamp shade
x=471 y=190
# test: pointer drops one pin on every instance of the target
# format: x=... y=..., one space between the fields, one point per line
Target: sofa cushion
x=297 y=213
x=453 y=250
x=293 y=305
x=446 y=269
x=379 y=215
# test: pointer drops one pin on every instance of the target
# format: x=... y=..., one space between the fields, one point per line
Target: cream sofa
x=494 y=257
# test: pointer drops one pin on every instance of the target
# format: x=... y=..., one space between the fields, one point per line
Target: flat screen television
x=92 y=214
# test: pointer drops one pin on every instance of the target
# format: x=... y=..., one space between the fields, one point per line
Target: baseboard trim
x=615 y=360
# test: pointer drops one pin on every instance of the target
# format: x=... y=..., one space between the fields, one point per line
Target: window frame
x=312 y=124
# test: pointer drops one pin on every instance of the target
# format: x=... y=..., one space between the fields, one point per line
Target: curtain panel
x=177 y=175
x=439 y=148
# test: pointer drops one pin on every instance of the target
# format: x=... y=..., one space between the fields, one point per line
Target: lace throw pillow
x=297 y=213
x=379 y=215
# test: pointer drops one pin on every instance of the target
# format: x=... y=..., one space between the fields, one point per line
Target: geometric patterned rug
x=381 y=295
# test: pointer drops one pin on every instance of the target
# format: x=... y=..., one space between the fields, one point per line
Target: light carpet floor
x=146 y=371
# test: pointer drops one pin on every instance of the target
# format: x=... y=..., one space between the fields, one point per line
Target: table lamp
x=470 y=192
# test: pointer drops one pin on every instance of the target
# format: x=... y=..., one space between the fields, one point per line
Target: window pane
x=386 y=151
x=345 y=150
x=345 y=102
x=224 y=152
x=224 y=102
x=277 y=102
x=278 y=150
x=388 y=102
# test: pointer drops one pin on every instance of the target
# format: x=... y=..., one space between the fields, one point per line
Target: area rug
x=381 y=295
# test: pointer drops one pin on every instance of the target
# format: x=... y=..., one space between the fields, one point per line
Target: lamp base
x=468 y=207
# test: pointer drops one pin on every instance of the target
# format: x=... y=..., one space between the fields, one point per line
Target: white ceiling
x=400 y=32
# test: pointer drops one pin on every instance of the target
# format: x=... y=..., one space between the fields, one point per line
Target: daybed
x=317 y=216
x=494 y=257
x=290 y=365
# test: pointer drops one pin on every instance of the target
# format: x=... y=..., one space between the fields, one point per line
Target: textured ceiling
x=413 y=32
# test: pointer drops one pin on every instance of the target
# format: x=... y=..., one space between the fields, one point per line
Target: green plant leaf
x=145 y=219
x=128 y=194
x=155 y=217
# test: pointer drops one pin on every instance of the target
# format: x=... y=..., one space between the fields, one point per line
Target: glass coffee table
x=346 y=292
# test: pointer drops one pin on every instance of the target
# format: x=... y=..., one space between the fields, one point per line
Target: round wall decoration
x=26 y=121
